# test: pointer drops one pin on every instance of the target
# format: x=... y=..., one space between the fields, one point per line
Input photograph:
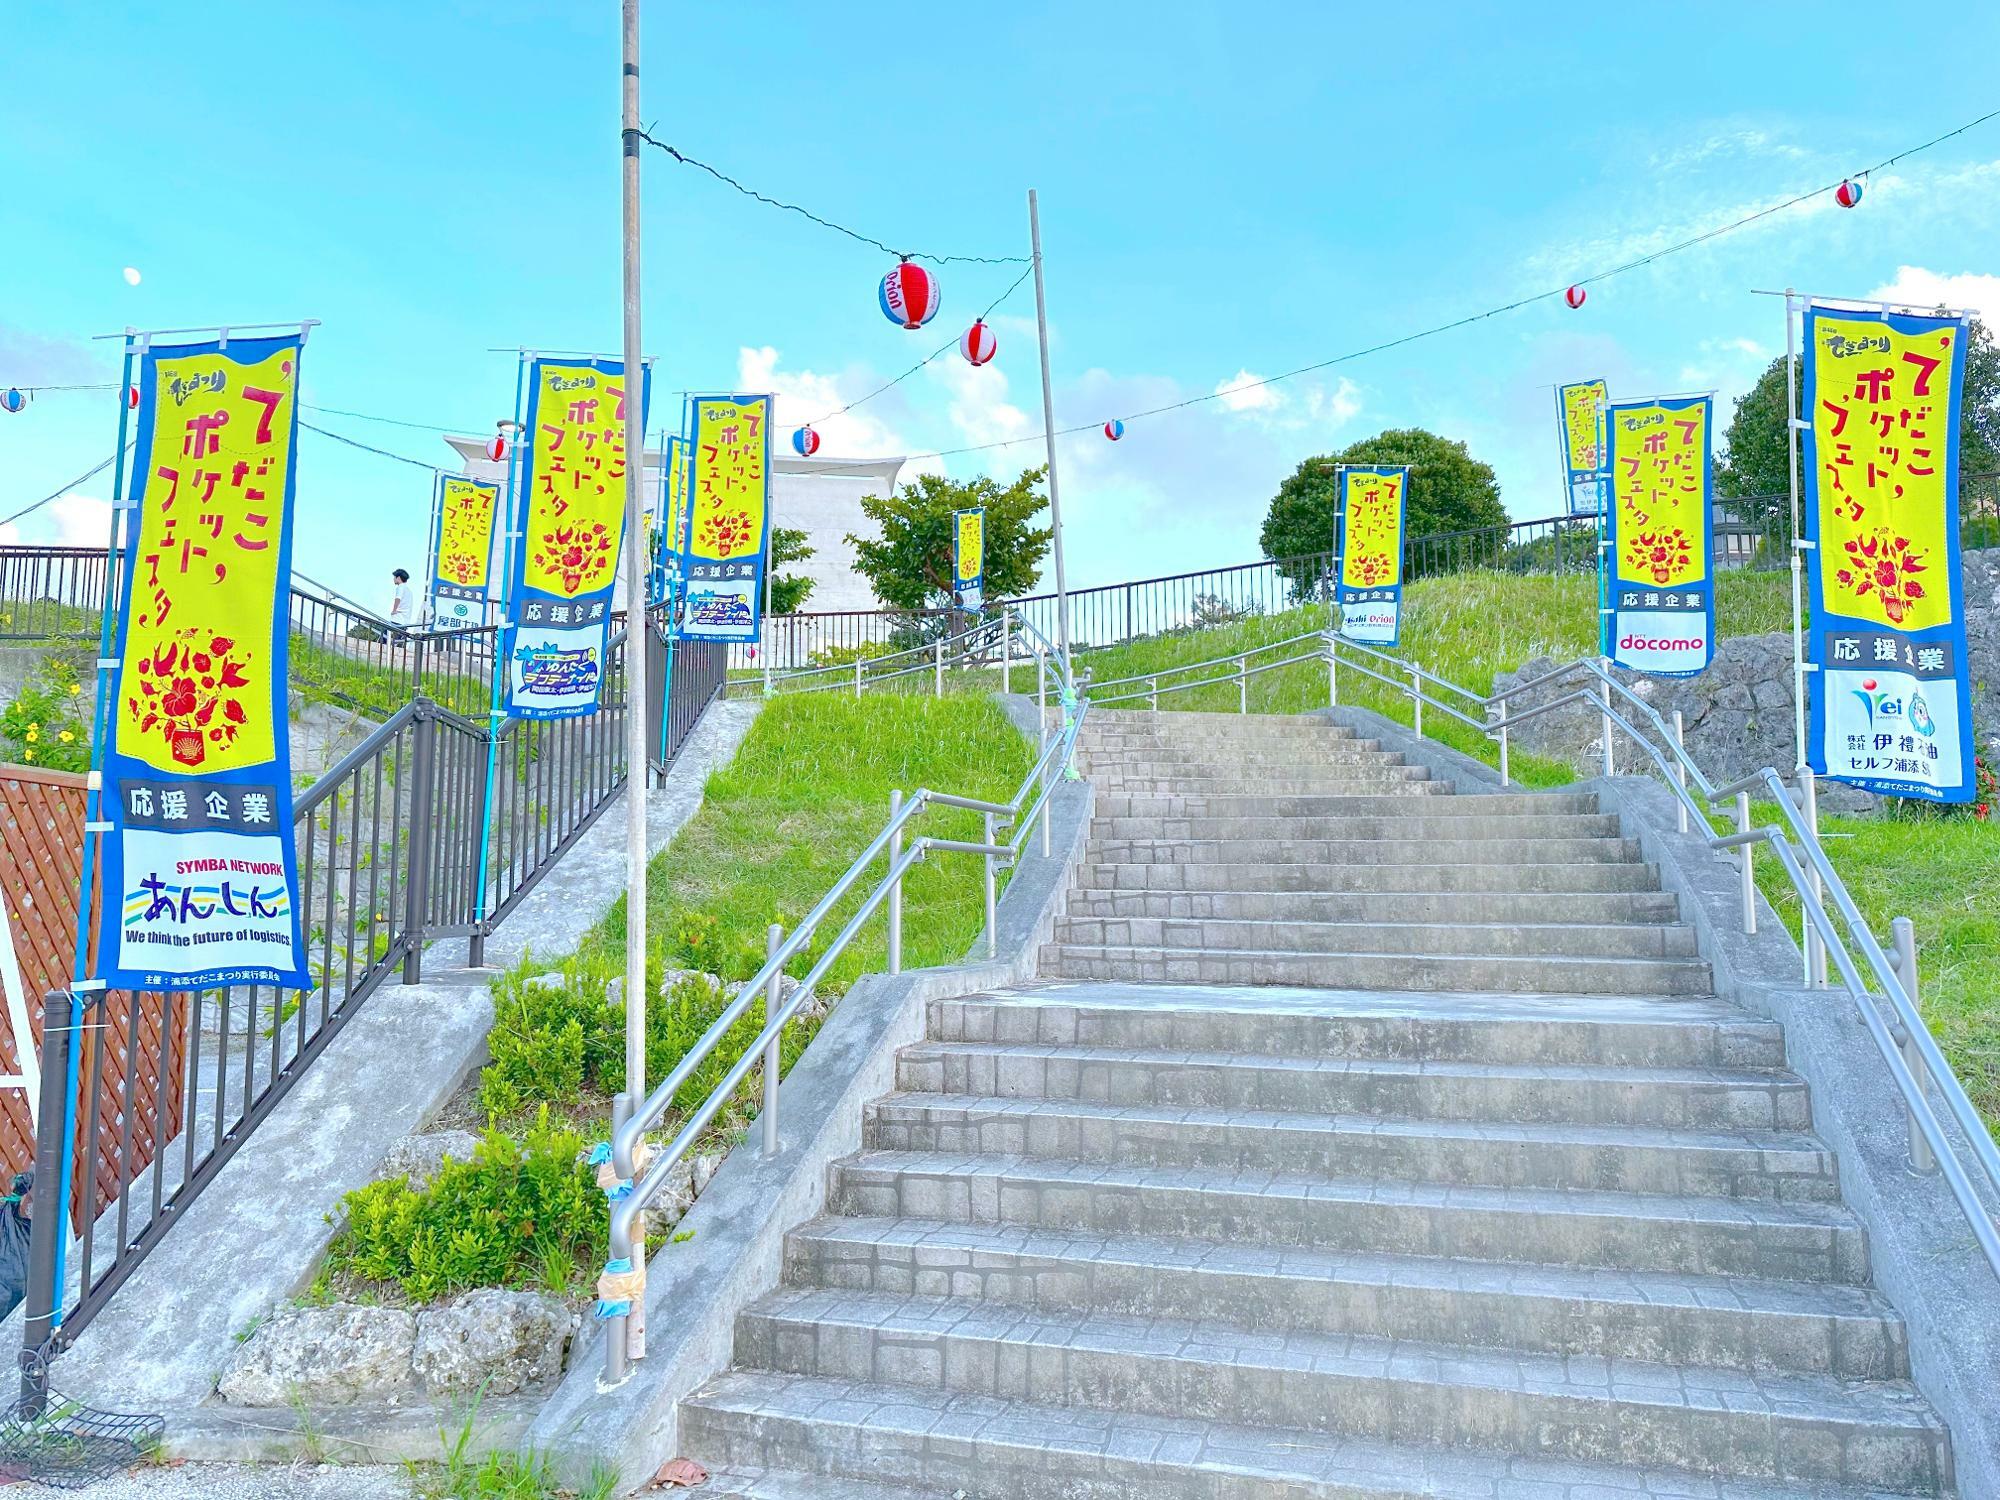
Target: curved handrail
x=641 y=1178
x=1804 y=860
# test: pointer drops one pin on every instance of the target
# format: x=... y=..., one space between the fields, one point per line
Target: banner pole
x=503 y=641
x=1049 y=431
x=1798 y=539
x=431 y=547
x=635 y=593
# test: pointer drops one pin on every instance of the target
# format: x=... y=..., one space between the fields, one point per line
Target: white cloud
x=1968 y=291
x=1247 y=392
x=1334 y=408
x=979 y=409
x=804 y=396
x=72 y=521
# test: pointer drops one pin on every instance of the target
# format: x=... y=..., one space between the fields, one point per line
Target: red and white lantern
x=1574 y=296
x=1114 y=429
x=131 y=398
x=978 y=346
x=496 y=447
x=1848 y=193
x=909 y=295
x=805 y=442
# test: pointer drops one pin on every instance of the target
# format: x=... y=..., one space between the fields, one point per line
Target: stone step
x=1195 y=719
x=1276 y=805
x=1099 y=874
x=1387 y=906
x=1199 y=760
x=1699 y=1098
x=1515 y=939
x=1227 y=735
x=1781 y=1425
x=1381 y=971
x=981 y=1448
x=784 y=1484
x=1611 y=1231
x=1604 y=1030
x=1354 y=781
x=1683 y=1163
x=1416 y=824
x=1215 y=728
x=1362 y=851
x=1823 y=1328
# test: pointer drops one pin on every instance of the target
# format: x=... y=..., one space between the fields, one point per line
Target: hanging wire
x=415 y=463
x=852 y=234
x=369 y=416
x=36 y=390
x=927 y=359
x=1491 y=312
x=91 y=473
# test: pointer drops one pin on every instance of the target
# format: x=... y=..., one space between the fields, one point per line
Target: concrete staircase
x=1491 y=1199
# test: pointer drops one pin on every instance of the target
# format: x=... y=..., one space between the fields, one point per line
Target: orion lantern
x=909 y=295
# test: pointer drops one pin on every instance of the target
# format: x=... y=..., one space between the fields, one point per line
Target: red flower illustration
x=725 y=532
x=1882 y=564
x=1663 y=553
x=581 y=555
x=181 y=690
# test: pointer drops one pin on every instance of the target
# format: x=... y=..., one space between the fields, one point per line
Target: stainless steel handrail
x=641 y=1179
x=1909 y=1050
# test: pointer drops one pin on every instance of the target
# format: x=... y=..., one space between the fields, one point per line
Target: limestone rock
x=324 y=1356
x=420 y=1156
x=498 y=1341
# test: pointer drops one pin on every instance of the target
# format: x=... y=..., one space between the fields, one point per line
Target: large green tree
x=1752 y=467
x=1450 y=490
x=910 y=562
x=789 y=591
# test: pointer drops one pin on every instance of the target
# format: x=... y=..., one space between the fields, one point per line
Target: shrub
x=49 y=723
x=516 y=1215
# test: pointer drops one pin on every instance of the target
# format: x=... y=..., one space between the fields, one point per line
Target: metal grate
x=52 y=1439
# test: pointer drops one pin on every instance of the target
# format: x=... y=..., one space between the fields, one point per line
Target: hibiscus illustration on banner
x=190 y=693
x=580 y=556
x=1664 y=554
x=1883 y=566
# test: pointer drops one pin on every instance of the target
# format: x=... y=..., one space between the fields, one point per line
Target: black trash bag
x=14 y=1244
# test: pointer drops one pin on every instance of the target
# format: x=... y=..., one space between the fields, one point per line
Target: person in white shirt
x=402 y=603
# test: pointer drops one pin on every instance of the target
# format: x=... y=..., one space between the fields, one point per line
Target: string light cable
x=853 y=234
x=85 y=476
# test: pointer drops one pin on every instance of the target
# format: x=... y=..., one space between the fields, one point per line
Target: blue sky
x=1219 y=200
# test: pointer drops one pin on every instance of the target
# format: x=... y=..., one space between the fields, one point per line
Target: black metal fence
x=435 y=826
x=1751 y=532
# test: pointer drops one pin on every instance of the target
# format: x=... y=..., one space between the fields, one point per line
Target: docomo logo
x=1633 y=642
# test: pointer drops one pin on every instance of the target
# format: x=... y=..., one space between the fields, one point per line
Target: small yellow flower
x=34 y=733
x=75 y=688
x=65 y=736
x=31 y=753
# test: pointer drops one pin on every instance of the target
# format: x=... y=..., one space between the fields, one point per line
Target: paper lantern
x=1114 y=429
x=909 y=295
x=805 y=442
x=1574 y=296
x=12 y=400
x=1848 y=193
x=978 y=345
x=132 y=398
x=496 y=447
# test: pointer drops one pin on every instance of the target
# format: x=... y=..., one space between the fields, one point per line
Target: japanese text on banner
x=571 y=519
x=200 y=875
x=968 y=547
x=1580 y=428
x=466 y=509
x=1663 y=583
x=729 y=521
x=1891 y=710
x=1370 y=585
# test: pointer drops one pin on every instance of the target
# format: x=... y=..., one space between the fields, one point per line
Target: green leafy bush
x=48 y=725
x=525 y=1214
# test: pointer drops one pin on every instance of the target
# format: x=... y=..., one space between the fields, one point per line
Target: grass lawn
x=1943 y=873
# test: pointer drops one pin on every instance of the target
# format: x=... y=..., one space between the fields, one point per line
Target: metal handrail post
x=1041 y=700
x=1506 y=779
x=1815 y=952
x=1416 y=702
x=1154 y=698
x=1749 y=874
x=1243 y=683
x=41 y=1302
x=1903 y=934
x=774 y=935
x=992 y=930
x=857 y=676
x=1680 y=767
x=423 y=818
x=895 y=887
x=1332 y=677
x=937 y=668
x=1006 y=651
x=1604 y=692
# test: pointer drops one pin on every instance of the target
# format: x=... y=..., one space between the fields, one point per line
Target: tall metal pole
x=1798 y=538
x=1049 y=432
x=635 y=597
